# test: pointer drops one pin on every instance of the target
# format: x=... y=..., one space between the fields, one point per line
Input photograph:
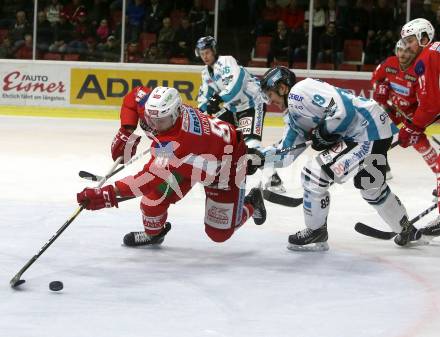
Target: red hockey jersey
x=133 y=106
x=427 y=68
x=198 y=148
x=403 y=85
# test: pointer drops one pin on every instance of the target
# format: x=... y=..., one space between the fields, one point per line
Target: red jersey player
x=418 y=35
x=395 y=86
x=132 y=111
x=187 y=147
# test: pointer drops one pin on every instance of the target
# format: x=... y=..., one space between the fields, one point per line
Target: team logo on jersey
x=419 y=68
x=227 y=80
x=218 y=215
x=400 y=89
x=410 y=78
x=245 y=125
x=259 y=119
x=185 y=122
x=391 y=70
x=435 y=46
x=296 y=97
x=331 y=108
x=141 y=97
x=195 y=126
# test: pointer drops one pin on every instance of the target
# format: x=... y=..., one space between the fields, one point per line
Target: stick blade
x=87 y=175
x=16 y=282
x=373 y=232
x=281 y=199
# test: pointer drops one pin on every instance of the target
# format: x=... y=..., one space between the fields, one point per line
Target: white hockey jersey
x=355 y=118
x=238 y=89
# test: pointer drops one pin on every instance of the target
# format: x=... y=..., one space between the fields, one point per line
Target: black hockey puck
x=56 y=285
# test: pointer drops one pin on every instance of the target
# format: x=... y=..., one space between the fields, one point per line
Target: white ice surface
x=250 y=285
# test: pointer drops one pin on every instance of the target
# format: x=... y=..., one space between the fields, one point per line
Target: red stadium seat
x=257 y=64
x=52 y=56
x=209 y=5
x=299 y=65
x=71 y=57
x=325 y=66
x=262 y=46
x=368 y=67
x=279 y=63
x=145 y=40
x=348 y=67
x=178 y=60
x=353 y=52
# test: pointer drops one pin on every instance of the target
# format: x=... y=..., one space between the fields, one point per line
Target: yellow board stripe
x=113 y=114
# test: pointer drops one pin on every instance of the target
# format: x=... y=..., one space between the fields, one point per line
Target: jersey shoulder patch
x=191 y=122
x=419 y=68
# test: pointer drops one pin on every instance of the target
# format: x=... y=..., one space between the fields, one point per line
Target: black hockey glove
x=255 y=160
x=321 y=139
x=213 y=105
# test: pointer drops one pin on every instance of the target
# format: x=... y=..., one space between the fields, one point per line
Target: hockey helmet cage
x=206 y=42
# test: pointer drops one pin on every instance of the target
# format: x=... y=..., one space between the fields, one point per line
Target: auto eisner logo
x=16 y=81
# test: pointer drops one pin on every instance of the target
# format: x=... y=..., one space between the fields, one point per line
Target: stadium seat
x=353 y=52
x=209 y=5
x=257 y=64
x=145 y=40
x=178 y=60
x=368 y=67
x=299 y=65
x=52 y=56
x=71 y=57
x=348 y=67
x=261 y=49
x=325 y=66
x=279 y=63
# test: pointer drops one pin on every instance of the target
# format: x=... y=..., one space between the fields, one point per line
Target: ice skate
x=432 y=229
x=309 y=240
x=255 y=198
x=275 y=184
x=408 y=234
x=136 y=239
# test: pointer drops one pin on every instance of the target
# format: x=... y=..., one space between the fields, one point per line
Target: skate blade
x=153 y=246
x=312 y=247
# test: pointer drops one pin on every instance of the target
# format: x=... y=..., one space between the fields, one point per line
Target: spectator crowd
x=164 y=31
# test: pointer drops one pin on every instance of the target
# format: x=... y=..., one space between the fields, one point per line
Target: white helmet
x=399 y=45
x=417 y=27
x=162 y=102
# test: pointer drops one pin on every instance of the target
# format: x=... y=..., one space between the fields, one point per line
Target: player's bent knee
x=218 y=235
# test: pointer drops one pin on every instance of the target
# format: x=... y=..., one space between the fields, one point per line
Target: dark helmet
x=205 y=43
x=273 y=77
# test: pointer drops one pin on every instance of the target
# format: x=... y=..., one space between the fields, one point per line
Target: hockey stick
x=16 y=281
x=95 y=177
x=383 y=235
x=281 y=199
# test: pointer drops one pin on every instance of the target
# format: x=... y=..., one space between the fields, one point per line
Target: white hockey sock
x=388 y=205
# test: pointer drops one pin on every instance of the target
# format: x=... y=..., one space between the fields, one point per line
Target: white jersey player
x=224 y=81
x=353 y=135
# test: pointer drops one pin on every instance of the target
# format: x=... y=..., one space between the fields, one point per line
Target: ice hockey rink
x=250 y=285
